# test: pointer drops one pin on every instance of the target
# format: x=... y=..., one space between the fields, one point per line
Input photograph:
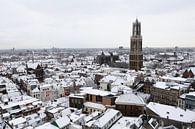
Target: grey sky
x=95 y=23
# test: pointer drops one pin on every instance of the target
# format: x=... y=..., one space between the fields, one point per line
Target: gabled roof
x=61 y=122
x=47 y=126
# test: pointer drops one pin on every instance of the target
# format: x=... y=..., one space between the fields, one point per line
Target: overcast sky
x=95 y=23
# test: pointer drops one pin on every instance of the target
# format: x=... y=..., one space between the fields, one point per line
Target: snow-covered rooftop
x=177 y=79
x=130 y=99
x=94 y=105
x=62 y=121
x=126 y=123
x=96 y=92
x=17 y=121
x=172 y=112
x=47 y=126
x=168 y=85
x=108 y=115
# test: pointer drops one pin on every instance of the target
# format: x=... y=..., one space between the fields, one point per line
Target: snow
x=94 y=105
x=66 y=111
x=91 y=116
x=36 y=90
x=153 y=123
x=161 y=85
x=168 y=85
x=47 y=126
x=17 y=121
x=63 y=121
x=130 y=99
x=75 y=126
x=6 y=115
x=97 y=92
x=125 y=123
x=31 y=119
x=168 y=127
x=76 y=117
x=120 y=88
x=183 y=96
x=32 y=65
x=29 y=127
x=46 y=86
x=192 y=69
x=55 y=110
x=108 y=78
x=191 y=93
x=108 y=115
x=177 y=79
x=173 y=113
x=21 y=69
x=81 y=96
x=23 y=102
x=36 y=103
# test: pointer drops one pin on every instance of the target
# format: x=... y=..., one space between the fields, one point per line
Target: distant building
x=189 y=73
x=136 y=55
x=107 y=58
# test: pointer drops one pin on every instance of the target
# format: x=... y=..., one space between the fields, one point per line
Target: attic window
x=181 y=115
x=167 y=112
x=154 y=123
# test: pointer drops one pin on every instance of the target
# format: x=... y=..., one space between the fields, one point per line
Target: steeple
x=136 y=28
x=136 y=55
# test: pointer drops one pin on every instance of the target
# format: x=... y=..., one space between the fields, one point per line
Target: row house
x=47 y=92
x=24 y=107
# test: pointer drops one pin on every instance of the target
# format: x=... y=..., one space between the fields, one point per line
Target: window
x=87 y=97
x=90 y=97
x=98 y=98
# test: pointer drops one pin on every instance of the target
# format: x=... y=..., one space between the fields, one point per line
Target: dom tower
x=136 y=55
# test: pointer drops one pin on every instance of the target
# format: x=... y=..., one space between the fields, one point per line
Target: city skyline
x=95 y=24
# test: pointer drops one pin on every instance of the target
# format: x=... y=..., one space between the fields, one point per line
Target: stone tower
x=136 y=55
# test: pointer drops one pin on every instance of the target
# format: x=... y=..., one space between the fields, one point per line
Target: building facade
x=136 y=55
x=167 y=93
x=130 y=105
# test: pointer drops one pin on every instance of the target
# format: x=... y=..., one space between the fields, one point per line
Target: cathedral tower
x=136 y=55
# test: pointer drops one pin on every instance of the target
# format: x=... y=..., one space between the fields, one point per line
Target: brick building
x=130 y=104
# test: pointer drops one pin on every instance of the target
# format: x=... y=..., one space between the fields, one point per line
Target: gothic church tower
x=136 y=54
